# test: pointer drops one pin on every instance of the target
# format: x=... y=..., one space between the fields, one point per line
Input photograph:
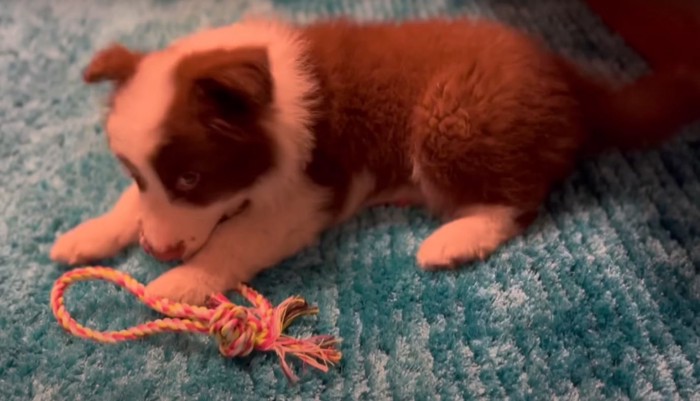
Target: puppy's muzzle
x=173 y=252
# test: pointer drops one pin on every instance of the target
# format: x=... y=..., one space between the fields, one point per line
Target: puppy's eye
x=187 y=181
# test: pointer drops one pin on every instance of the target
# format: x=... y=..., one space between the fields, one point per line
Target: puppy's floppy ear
x=115 y=63
x=231 y=82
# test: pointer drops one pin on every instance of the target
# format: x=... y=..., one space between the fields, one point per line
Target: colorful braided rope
x=239 y=330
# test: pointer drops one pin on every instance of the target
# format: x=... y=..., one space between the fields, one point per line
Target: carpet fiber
x=600 y=300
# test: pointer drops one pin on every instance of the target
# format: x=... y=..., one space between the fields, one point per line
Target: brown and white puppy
x=245 y=142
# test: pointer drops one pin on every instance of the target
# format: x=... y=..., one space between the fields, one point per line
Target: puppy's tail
x=639 y=115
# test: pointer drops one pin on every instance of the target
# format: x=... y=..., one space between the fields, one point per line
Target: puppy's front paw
x=187 y=284
x=92 y=240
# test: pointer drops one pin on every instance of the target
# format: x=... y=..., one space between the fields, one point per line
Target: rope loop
x=239 y=330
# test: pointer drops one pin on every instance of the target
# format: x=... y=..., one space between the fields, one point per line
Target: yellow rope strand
x=239 y=330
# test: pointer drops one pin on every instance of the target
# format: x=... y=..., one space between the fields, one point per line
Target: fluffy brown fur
x=310 y=124
x=475 y=112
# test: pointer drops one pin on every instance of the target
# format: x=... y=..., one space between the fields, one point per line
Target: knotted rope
x=239 y=330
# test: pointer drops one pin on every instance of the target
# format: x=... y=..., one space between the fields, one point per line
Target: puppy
x=245 y=142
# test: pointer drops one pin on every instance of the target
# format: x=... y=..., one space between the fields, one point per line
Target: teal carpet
x=600 y=300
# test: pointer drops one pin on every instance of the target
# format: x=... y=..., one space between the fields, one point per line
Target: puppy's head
x=189 y=127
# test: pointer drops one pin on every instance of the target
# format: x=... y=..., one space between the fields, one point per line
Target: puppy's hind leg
x=479 y=205
x=477 y=233
x=479 y=166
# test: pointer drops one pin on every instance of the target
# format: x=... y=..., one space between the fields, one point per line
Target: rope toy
x=239 y=330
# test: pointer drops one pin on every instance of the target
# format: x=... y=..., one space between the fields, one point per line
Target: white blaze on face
x=142 y=104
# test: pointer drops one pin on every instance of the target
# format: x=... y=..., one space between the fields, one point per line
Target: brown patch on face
x=133 y=172
x=115 y=63
x=215 y=144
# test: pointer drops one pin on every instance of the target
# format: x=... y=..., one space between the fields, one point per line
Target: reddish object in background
x=665 y=32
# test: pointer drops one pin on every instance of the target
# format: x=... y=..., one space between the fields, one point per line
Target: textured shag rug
x=600 y=300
